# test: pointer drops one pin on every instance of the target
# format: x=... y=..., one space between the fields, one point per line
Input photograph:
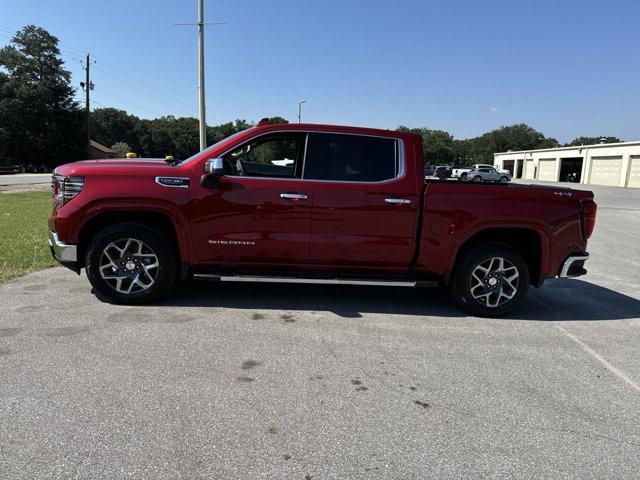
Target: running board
x=321 y=281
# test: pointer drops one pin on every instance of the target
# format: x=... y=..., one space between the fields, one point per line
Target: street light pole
x=203 y=120
x=300 y=110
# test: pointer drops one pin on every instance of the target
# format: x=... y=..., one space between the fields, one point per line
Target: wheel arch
x=530 y=242
x=157 y=220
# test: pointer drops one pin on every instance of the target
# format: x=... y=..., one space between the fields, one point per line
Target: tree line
x=41 y=123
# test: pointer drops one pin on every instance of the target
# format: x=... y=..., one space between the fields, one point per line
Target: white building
x=615 y=164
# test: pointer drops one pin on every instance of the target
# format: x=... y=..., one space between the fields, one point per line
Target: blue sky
x=567 y=68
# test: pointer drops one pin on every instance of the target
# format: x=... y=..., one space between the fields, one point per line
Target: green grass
x=24 y=245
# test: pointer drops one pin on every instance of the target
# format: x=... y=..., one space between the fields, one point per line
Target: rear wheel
x=477 y=178
x=130 y=264
x=491 y=281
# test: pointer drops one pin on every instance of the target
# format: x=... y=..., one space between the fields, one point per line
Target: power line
x=102 y=90
x=135 y=88
x=167 y=98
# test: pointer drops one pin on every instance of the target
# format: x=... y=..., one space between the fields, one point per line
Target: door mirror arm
x=213 y=170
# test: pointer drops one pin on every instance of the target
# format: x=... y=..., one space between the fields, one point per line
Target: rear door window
x=351 y=158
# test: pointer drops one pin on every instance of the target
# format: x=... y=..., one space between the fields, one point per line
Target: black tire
x=504 y=179
x=477 y=178
x=462 y=281
x=164 y=274
x=463 y=177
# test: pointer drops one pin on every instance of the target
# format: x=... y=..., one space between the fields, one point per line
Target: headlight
x=65 y=188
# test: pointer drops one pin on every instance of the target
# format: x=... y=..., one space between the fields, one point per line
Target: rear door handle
x=398 y=201
x=293 y=196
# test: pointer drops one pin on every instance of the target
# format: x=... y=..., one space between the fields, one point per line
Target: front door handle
x=398 y=201
x=293 y=196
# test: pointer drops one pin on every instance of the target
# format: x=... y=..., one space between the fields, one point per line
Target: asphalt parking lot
x=272 y=381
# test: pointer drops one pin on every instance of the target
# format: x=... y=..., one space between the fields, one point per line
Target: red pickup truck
x=313 y=203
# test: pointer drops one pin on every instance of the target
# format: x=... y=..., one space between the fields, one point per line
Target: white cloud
x=493 y=109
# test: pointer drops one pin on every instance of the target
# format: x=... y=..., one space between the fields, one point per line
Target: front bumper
x=62 y=252
x=573 y=266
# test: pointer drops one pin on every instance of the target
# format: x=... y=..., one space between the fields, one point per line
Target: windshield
x=208 y=149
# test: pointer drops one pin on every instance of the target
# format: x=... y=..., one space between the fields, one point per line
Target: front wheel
x=491 y=280
x=130 y=263
x=504 y=179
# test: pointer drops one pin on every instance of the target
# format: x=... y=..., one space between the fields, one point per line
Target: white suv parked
x=463 y=172
x=487 y=173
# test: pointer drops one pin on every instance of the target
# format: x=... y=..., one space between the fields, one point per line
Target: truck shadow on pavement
x=557 y=300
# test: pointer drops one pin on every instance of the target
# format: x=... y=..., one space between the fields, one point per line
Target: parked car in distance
x=8 y=166
x=442 y=172
x=486 y=165
x=353 y=207
x=429 y=170
x=488 y=174
x=462 y=173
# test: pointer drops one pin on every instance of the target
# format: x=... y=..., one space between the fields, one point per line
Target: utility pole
x=201 y=105
x=88 y=86
x=300 y=110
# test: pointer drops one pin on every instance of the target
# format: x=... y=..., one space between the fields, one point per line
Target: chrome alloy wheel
x=494 y=282
x=128 y=266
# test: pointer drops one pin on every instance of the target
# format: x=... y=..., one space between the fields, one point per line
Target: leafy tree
x=438 y=146
x=513 y=137
x=121 y=149
x=277 y=119
x=592 y=141
x=441 y=148
x=111 y=125
x=38 y=117
x=157 y=137
x=220 y=132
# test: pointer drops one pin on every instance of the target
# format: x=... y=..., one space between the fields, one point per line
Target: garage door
x=634 y=172
x=529 y=172
x=547 y=170
x=605 y=170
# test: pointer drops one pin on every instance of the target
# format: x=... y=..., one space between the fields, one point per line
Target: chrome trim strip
x=398 y=201
x=323 y=281
x=564 y=271
x=172 y=186
x=293 y=196
x=61 y=251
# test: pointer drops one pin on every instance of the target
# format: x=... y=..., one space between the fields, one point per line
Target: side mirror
x=214 y=166
x=213 y=170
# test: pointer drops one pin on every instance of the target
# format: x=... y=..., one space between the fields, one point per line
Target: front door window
x=275 y=156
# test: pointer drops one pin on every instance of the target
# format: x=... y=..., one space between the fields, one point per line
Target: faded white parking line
x=617 y=372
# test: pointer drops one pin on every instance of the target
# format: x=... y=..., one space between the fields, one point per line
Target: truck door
x=260 y=211
x=366 y=202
